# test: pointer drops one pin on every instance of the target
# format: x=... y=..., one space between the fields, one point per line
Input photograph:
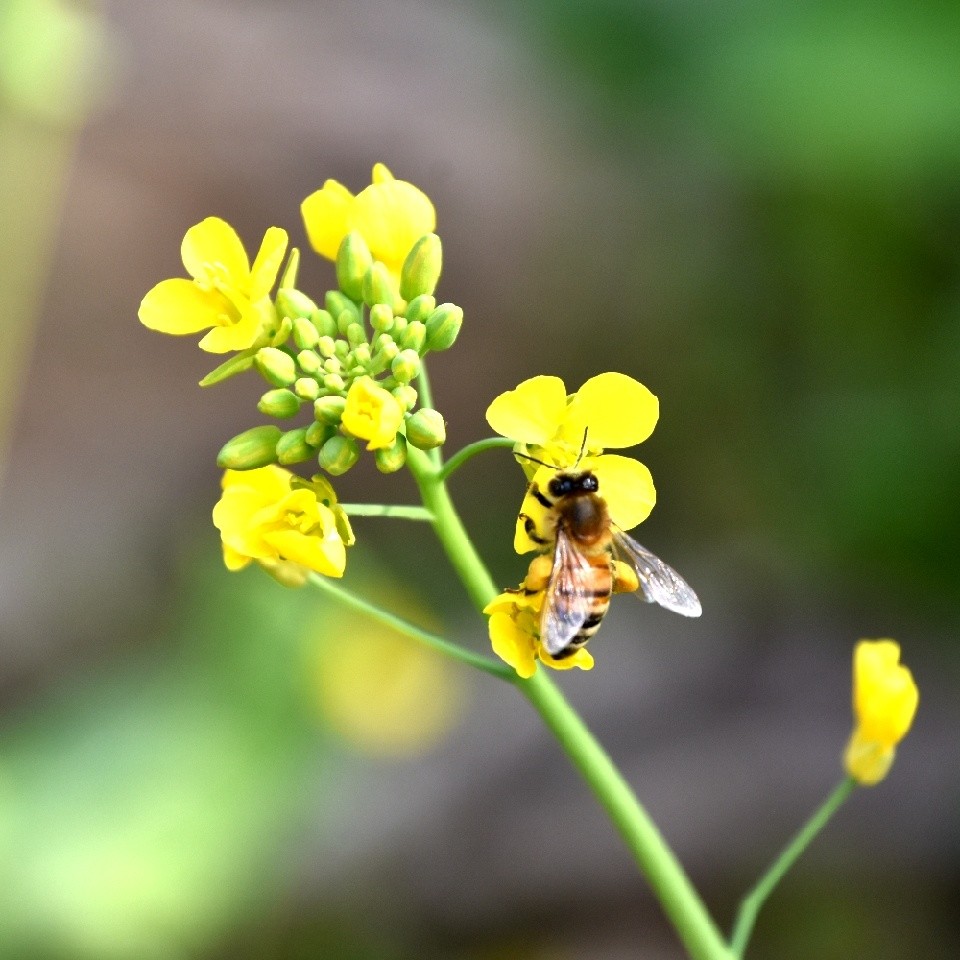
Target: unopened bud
x=333 y=382
x=309 y=362
x=353 y=261
x=281 y=404
x=318 y=433
x=355 y=335
x=414 y=336
x=420 y=308
x=426 y=429
x=421 y=269
x=341 y=348
x=306 y=388
x=305 y=334
x=381 y=317
x=324 y=322
x=256 y=447
x=391 y=459
x=338 y=454
x=337 y=303
x=326 y=346
x=361 y=353
x=406 y=396
x=292 y=303
x=333 y=365
x=275 y=366
x=329 y=409
x=378 y=286
x=292 y=447
x=443 y=326
x=405 y=366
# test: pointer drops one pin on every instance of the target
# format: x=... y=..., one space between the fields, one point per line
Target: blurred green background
x=751 y=207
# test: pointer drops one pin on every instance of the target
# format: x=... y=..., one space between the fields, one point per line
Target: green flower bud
x=256 y=447
x=361 y=354
x=338 y=454
x=353 y=261
x=292 y=303
x=406 y=396
x=305 y=334
x=329 y=409
x=391 y=459
x=292 y=447
x=377 y=286
x=281 y=404
x=337 y=303
x=324 y=322
x=229 y=368
x=333 y=365
x=281 y=333
x=405 y=366
x=399 y=325
x=318 y=433
x=326 y=347
x=443 y=326
x=341 y=349
x=426 y=429
x=334 y=382
x=381 y=317
x=306 y=388
x=420 y=308
x=414 y=336
x=309 y=362
x=421 y=269
x=275 y=366
x=387 y=347
x=355 y=335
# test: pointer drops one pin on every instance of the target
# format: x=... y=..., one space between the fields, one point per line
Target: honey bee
x=580 y=547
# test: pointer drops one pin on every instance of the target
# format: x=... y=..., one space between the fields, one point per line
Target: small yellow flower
x=225 y=295
x=610 y=410
x=514 y=628
x=372 y=413
x=885 y=700
x=391 y=216
x=286 y=525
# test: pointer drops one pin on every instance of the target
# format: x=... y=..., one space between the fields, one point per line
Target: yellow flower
x=514 y=627
x=391 y=216
x=609 y=410
x=884 y=703
x=287 y=525
x=225 y=295
x=372 y=413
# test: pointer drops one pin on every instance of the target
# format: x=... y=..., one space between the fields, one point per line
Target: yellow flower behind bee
x=391 y=215
x=288 y=527
x=610 y=410
x=372 y=413
x=226 y=295
x=514 y=628
x=885 y=701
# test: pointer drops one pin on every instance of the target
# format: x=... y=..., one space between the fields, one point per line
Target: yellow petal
x=372 y=413
x=885 y=696
x=381 y=174
x=325 y=215
x=614 y=409
x=237 y=335
x=626 y=486
x=532 y=413
x=536 y=511
x=179 y=306
x=867 y=761
x=233 y=560
x=582 y=659
x=271 y=483
x=214 y=241
x=392 y=215
x=267 y=265
x=234 y=515
x=326 y=555
x=512 y=645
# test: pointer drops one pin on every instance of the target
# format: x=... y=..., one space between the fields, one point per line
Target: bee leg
x=530 y=528
x=534 y=491
x=625 y=579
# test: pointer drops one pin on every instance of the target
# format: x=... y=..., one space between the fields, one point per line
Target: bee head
x=570 y=484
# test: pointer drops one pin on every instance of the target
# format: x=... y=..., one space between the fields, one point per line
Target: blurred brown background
x=751 y=207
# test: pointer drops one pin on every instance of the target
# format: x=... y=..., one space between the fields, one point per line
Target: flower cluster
x=350 y=364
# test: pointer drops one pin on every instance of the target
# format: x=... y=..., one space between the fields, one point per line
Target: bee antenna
x=583 y=447
x=524 y=456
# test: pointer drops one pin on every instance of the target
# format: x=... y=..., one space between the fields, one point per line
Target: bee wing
x=659 y=582
x=567 y=602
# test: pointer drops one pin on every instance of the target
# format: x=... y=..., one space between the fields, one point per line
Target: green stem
x=430 y=640
x=397 y=511
x=679 y=898
x=751 y=904
x=469 y=451
x=426 y=400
